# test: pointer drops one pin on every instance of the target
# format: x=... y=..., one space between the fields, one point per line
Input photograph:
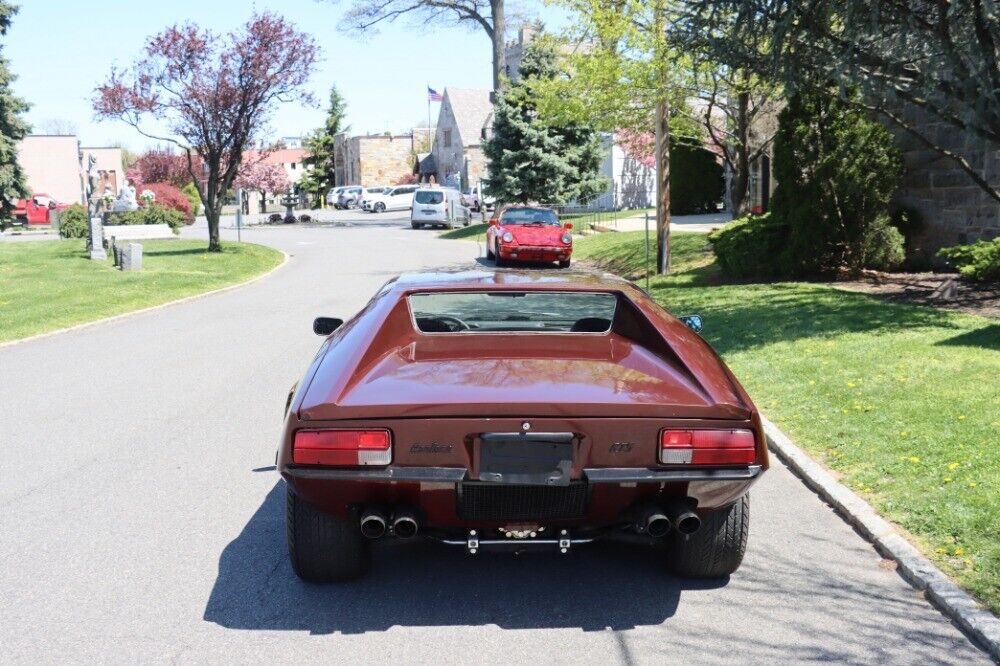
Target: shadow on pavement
x=428 y=584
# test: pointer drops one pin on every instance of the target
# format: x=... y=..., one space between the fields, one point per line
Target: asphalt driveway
x=141 y=519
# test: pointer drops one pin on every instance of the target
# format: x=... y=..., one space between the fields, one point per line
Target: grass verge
x=48 y=285
x=471 y=232
x=901 y=401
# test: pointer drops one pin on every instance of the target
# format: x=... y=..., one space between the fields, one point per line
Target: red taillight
x=707 y=447
x=342 y=447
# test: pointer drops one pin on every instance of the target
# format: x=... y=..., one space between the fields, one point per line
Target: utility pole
x=662 y=142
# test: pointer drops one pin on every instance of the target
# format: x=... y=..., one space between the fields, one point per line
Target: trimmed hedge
x=73 y=222
x=750 y=247
x=170 y=197
x=697 y=180
x=155 y=214
x=979 y=261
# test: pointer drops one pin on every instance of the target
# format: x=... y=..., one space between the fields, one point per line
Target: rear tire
x=379 y=207
x=323 y=548
x=716 y=549
x=416 y=225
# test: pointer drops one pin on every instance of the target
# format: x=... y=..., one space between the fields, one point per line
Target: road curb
x=160 y=306
x=919 y=571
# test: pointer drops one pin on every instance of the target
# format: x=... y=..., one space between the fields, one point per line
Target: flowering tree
x=163 y=166
x=262 y=178
x=640 y=146
x=213 y=93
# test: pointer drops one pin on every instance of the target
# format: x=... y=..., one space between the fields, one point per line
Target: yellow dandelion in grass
x=961 y=417
x=812 y=382
x=914 y=459
x=959 y=551
x=940 y=551
x=967 y=563
x=947 y=479
x=904 y=434
x=851 y=385
x=972 y=484
x=953 y=466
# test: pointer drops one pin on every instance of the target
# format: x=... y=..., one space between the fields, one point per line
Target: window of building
x=293 y=166
x=447 y=138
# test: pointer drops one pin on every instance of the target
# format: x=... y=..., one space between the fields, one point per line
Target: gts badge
x=620 y=447
x=430 y=448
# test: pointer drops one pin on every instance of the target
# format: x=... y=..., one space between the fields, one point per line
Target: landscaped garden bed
x=48 y=285
x=901 y=401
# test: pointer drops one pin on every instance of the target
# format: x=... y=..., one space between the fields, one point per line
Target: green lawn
x=902 y=402
x=46 y=285
x=471 y=232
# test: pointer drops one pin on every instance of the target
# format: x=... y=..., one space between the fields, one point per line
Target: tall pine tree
x=13 y=128
x=320 y=144
x=530 y=161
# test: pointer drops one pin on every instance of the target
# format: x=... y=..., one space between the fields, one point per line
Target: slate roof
x=472 y=109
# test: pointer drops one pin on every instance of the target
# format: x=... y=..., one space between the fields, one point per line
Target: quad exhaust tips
x=373 y=524
x=684 y=519
x=404 y=524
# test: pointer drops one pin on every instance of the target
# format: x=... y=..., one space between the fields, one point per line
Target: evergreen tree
x=836 y=170
x=320 y=144
x=530 y=161
x=13 y=128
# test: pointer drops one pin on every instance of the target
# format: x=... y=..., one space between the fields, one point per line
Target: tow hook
x=472 y=543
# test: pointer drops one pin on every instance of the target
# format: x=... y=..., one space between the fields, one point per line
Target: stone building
x=952 y=209
x=457 y=158
x=376 y=159
x=52 y=166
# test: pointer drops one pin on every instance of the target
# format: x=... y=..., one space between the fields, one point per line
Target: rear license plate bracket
x=525 y=461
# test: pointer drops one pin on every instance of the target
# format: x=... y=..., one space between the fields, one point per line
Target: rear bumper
x=448 y=499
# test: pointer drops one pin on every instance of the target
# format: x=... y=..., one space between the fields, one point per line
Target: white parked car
x=370 y=193
x=477 y=200
x=331 y=196
x=397 y=198
x=442 y=206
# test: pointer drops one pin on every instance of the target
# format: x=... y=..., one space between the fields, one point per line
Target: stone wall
x=953 y=209
x=371 y=161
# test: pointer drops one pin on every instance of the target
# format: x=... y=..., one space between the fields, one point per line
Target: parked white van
x=438 y=206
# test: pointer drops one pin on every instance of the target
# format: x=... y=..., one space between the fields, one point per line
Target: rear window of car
x=428 y=197
x=513 y=311
x=529 y=216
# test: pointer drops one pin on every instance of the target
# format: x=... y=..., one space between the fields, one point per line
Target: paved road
x=140 y=520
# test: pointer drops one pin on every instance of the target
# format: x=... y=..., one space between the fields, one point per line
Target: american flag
x=433 y=95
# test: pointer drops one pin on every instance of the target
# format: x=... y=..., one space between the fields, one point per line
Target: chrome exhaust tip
x=653 y=521
x=373 y=524
x=404 y=524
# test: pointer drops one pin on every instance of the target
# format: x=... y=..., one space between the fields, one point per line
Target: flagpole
x=429 y=113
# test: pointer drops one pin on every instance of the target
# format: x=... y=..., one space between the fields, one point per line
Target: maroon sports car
x=520 y=410
x=528 y=234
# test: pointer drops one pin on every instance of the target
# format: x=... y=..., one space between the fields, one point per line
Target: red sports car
x=528 y=234
x=517 y=410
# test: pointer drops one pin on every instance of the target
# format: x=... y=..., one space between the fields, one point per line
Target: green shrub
x=883 y=246
x=979 y=261
x=749 y=247
x=836 y=170
x=697 y=181
x=154 y=214
x=73 y=222
x=191 y=192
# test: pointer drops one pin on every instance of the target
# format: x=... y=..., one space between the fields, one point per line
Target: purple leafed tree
x=262 y=177
x=213 y=95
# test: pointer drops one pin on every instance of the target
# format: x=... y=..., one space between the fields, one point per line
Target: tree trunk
x=499 y=43
x=213 y=210
x=741 y=176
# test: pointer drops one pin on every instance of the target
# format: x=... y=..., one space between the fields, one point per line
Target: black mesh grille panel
x=491 y=501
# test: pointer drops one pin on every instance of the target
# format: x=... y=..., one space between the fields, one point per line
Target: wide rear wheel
x=380 y=207
x=716 y=549
x=323 y=548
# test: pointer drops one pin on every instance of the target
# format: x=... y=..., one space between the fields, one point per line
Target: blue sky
x=61 y=49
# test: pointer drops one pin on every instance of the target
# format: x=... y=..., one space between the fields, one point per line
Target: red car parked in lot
x=37 y=210
x=528 y=234
x=520 y=410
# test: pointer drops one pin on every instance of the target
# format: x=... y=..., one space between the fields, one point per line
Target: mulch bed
x=943 y=290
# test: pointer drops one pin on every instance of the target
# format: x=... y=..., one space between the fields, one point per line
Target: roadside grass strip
x=471 y=232
x=49 y=285
x=901 y=402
